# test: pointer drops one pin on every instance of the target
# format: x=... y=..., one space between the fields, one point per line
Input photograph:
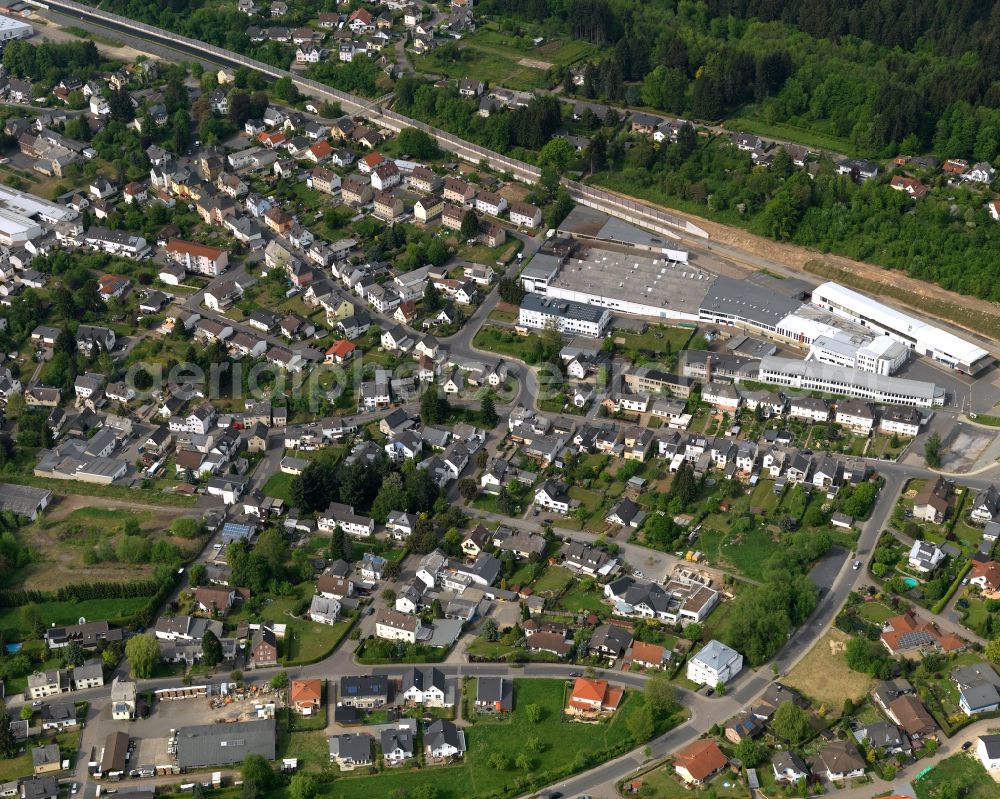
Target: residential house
x=697 y=763
x=931 y=502
x=714 y=664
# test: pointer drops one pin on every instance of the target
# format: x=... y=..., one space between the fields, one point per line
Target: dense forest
x=948 y=239
x=879 y=75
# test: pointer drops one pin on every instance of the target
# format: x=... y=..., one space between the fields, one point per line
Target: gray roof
x=566 y=309
x=991 y=743
x=422 y=679
x=850 y=379
x=397 y=739
x=746 y=300
x=44 y=755
x=980 y=695
x=441 y=732
x=223 y=744
x=352 y=687
x=351 y=746
x=716 y=654
x=495 y=689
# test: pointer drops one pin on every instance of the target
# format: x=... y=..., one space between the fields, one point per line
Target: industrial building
x=224 y=744
x=631 y=283
x=565 y=316
x=22 y=215
x=14 y=29
x=612 y=265
x=923 y=338
x=881 y=355
x=815 y=376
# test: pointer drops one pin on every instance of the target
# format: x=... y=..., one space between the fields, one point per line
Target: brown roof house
x=931 y=502
x=910 y=714
x=264 y=648
x=699 y=762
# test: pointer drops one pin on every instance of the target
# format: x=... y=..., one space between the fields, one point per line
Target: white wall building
x=564 y=315
x=850 y=382
x=715 y=663
x=923 y=338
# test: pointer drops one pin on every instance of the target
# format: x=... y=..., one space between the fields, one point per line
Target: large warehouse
x=919 y=336
x=224 y=744
x=14 y=29
x=631 y=283
x=22 y=215
x=816 y=376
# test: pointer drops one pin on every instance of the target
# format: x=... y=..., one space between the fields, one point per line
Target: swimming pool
x=911 y=582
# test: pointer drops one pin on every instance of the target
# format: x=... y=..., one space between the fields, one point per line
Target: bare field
x=823 y=676
x=75 y=524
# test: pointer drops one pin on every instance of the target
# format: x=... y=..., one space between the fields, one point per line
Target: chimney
x=708 y=368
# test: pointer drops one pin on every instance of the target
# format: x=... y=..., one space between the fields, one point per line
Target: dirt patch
x=76 y=524
x=823 y=675
x=53 y=32
x=534 y=63
x=963 y=447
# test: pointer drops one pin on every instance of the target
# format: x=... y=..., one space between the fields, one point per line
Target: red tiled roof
x=310 y=691
x=203 y=250
x=341 y=348
x=701 y=759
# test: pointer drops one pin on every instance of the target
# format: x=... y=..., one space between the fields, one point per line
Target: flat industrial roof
x=939 y=339
x=541 y=266
x=564 y=308
x=635 y=278
x=826 y=372
x=745 y=299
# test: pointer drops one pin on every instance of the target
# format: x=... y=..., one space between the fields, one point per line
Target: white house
x=988 y=751
x=925 y=556
x=553 y=496
x=344 y=517
x=395 y=626
x=716 y=663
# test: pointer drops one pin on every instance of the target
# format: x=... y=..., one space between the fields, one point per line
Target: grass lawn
x=745 y=553
x=279 y=486
x=964 y=772
x=566 y=748
x=15 y=623
x=663 y=783
x=976 y=614
x=659 y=340
x=20 y=766
x=749 y=552
x=494 y=650
x=807 y=136
x=591 y=500
x=763 y=496
x=308 y=641
x=553 y=580
x=823 y=674
x=581 y=597
x=305 y=641
x=875 y=612
x=310 y=747
x=141 y=495
x=505 y=314
x=506 y=342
